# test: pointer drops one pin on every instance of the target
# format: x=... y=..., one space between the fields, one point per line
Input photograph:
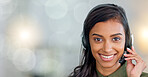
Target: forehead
x=108 y=27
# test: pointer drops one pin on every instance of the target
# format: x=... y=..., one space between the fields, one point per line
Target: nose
x=107 y=47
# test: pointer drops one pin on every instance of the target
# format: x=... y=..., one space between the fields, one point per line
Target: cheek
x=120 y=48
x=95 y=47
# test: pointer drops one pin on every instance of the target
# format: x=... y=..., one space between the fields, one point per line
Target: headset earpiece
x=84 y=42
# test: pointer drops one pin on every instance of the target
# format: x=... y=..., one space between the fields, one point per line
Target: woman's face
x=107 y=40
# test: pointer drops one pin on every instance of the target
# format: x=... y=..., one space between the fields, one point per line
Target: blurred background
x=42 y=38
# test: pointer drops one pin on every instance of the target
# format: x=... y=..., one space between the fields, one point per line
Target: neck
x=105 y=71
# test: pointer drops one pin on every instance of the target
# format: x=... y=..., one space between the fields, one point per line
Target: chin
x=107 y=65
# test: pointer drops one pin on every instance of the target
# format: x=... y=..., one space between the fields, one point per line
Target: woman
x=108 y=49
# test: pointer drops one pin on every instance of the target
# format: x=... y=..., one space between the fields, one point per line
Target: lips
x=107 y=57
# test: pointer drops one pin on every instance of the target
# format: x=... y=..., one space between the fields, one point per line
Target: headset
x=84 y=42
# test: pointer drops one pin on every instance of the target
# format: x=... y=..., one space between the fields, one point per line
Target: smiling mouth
x=107 y=57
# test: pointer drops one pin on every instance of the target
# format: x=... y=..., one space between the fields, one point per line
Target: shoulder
x=144 y=74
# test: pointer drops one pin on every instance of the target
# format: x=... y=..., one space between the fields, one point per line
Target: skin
x=108 y=38
x=134 y=70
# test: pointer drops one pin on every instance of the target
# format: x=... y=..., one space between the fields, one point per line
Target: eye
x=116 y=39
x=98 y=39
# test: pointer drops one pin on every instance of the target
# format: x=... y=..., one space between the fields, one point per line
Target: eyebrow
x=116 y=34
x=110 y=36
x=97 y=35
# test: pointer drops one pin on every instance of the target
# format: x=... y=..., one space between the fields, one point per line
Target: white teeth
x=107 y=56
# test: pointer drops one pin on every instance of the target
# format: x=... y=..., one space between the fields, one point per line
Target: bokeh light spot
x=24 y=59
x=24 y=32
x=145 y=33
x=56 y=10
x=80 y=12
x=24 y=35
x=142 y=36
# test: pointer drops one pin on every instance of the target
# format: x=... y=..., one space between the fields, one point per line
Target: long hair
x=100 y=13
